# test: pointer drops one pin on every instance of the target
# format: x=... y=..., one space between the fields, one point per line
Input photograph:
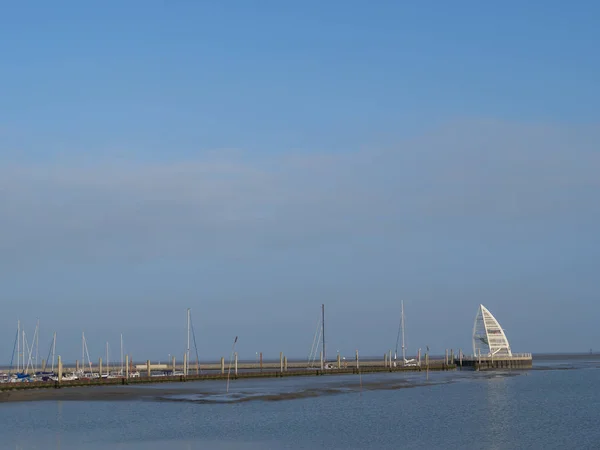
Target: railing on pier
x=514 y=356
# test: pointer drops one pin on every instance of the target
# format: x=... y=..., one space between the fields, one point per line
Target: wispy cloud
x=230 y=202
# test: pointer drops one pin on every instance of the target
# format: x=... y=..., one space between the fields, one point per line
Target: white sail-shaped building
x=489 y=339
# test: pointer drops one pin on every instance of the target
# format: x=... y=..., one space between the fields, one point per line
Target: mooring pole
x=60 y=370
x=323 y=331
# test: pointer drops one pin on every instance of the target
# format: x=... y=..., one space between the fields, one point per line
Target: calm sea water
x=555 y=406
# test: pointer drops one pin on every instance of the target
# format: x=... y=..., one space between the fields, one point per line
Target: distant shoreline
x=214 y=364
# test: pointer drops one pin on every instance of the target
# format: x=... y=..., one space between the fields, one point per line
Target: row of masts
x=25 y=357
x=23 y=350
x=320 y=338
x=84 y=353
x=27 y=361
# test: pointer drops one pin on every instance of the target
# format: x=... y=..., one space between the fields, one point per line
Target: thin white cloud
x=230 y=202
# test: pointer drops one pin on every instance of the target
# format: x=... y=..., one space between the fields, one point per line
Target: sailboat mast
x=121 y=353
x=323 y=330
x=37 y=345
x=53 y=350
x=23 y=334
x=188 y=341
x=83 y=351
x=18 y=346
x=402 y=324
x=86 y=352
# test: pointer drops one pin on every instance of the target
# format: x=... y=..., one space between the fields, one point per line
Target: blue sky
x=254 y=161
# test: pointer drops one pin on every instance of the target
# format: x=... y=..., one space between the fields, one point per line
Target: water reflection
x=499 y=410
x=476 y=410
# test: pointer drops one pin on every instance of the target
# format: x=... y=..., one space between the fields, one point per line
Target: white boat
x=68 y=377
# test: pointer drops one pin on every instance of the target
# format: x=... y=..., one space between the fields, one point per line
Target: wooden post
x=285 y=367
x=222 y=365
x=281 y=361
x=174 y=367
x=127 y=367
x=148 y=369
x=321 y=359
x=185 y=364
x=419 y=357
x=60 y=370
x=427 y=364
x=357 y=363
x=261 y=362
x=385 y=361
x=43 y=365
x=452 y=356
x=460 y=357
x=446 y=357
x=76 y=365
x=100 y=367
x=235 y=355
x=390 y=359
x=339 y=361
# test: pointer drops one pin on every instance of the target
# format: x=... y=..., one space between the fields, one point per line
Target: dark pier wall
x=217 y=375
x=495 y=364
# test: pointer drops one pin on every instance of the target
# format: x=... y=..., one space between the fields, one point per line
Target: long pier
x=217 y=371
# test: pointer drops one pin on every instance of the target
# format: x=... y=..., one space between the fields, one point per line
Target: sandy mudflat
x=165 y=393
x=85 y=393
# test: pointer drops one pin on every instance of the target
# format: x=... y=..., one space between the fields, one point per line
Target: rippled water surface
x=554 y=406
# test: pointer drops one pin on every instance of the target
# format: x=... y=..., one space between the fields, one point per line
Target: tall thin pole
x=24 y=347
x=83 y=351
x=37 y=345
x=188 y=341
x=53 y=350
x=88 y=355
x=323 y=331
x=18 y=346
x=107 y=363
x=121 y=353
x=402 y=322
x=230 y=358
x=427 y=362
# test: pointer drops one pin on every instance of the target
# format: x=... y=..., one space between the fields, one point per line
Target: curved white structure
x=488 y=336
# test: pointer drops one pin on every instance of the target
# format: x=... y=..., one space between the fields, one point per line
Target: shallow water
x=544 y=408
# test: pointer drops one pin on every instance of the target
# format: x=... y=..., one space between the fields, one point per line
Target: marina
x=491 y=351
